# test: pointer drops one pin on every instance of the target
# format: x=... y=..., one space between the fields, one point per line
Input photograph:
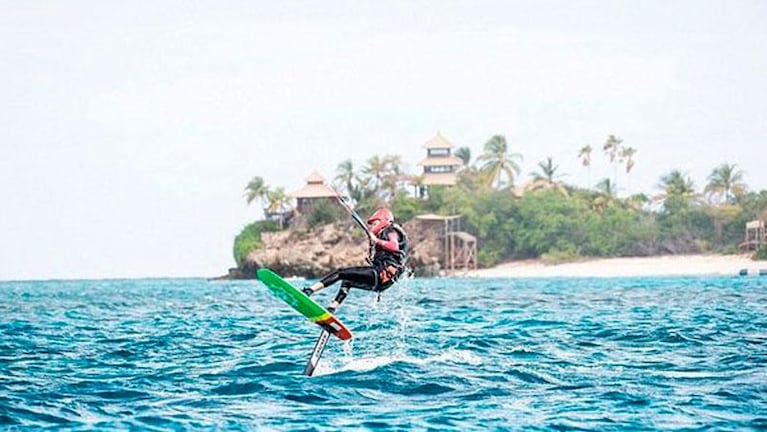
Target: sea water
x=432 y=354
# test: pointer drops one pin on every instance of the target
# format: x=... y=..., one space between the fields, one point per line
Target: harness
x=391 y=265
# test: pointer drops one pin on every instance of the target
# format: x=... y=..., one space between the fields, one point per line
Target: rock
x=313 y=254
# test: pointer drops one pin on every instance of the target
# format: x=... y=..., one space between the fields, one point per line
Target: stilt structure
x=459 y=247
x=756 y=236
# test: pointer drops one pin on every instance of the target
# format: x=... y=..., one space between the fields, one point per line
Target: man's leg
x=359 y=277
x=340 y=297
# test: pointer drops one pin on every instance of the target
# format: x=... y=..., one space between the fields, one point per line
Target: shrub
x=249 y=239
x=324 y=212
x=761 y=254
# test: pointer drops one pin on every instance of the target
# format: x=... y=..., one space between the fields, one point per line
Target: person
x=388 y=255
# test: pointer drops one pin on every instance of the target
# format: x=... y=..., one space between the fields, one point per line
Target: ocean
x=433 y=354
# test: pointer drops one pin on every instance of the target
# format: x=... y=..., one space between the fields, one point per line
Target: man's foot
x=332 y=306
x=313 y=289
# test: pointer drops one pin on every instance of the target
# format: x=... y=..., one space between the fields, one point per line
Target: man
x=388 y=253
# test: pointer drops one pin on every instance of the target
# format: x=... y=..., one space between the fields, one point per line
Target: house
x=314 y=191
x=756 y=235
x=439 y=165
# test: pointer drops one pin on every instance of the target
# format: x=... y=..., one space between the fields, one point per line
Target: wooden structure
x=315 y=190
x=439 y=165
x=460 y=248
x=756 y=235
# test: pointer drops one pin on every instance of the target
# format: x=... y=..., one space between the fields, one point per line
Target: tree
x=384 y=174
x=547 y=178
x=345 y=175
x=627 y=157
x=392 y=175
x=464 y=154
x=497 y=162
x=605 y=196
x=637 y=201
x=725 y=183
x=256 y=188
x=585 y=156
x=611 y=148
x=678 y=191
x=277 y=204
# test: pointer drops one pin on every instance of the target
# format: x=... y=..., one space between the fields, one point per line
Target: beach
x=669 y=265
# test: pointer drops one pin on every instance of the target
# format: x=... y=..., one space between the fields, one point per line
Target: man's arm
x=391 y=244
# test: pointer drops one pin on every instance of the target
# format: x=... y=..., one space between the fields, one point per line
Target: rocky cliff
x=316 y=252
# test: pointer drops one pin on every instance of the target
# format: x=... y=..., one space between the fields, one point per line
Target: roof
x=445 y=179
x=755 y=224
x=315 y=177
x=464 y=236
x=436 y=217
x=315 y=188
x=438 y=142
x=440 y=161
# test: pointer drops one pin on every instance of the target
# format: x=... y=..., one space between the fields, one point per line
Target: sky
x=128 y=130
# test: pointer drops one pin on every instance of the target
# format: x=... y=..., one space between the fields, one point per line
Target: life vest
x=391 y=265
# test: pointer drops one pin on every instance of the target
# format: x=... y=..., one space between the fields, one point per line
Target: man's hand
x=372 y=238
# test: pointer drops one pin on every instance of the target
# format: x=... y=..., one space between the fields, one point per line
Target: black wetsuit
x=385 y=267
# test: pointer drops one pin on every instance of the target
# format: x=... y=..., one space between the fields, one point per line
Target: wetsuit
x=389 y=254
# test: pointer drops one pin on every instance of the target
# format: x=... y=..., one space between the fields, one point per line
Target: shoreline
x=666 y=265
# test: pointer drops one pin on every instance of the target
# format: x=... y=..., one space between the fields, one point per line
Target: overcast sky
x=128 y=130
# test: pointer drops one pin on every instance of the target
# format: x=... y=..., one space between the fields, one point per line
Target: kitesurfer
x=387 y=258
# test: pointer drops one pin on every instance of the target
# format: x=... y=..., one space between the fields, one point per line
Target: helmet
x=381 y=219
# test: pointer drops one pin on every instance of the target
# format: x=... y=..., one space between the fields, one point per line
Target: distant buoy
x=752 y=272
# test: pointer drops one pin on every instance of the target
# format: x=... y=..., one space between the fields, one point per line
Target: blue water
x=434 y=354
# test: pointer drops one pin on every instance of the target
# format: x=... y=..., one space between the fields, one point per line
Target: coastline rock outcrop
x=313 y=253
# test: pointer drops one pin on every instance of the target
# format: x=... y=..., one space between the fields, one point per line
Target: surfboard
x=303 y=304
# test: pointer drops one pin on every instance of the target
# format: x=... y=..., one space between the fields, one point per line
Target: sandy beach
x=676 y=265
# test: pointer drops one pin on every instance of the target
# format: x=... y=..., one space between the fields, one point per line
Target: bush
x=249 y=239
x=761 y=254
x=560 y=256
x=324 y=212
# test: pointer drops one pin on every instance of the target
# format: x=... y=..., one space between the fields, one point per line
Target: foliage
x=497 y=163
x=725 y=184
x=550 y=220
x=324 y=212
x=249 y=239
x=404 y=206
x=761 y=254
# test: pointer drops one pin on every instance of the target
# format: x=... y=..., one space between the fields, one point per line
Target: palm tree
x=277 y=203
x=464 y=154
x=627 y=157
x=393 y=165
x=637 y=201
x=497 y=162
x=345 y=175
x=384 y=172
x=547 y=178
x=605 y=196
x=256 y=188
x=726 y=183
x=611 y=148
x=375 y=170
x=585 y=156
x=678 y=190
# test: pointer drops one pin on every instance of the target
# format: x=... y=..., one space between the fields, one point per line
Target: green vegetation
x=548 y=218
x=249 y=239
x=761 y=254
x=324 y=212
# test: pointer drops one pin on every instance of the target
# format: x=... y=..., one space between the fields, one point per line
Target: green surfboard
x=303 y=304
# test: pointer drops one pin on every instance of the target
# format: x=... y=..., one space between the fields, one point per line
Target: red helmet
x=381 y=219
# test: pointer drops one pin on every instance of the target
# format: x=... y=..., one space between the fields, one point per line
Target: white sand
x=676 y=265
